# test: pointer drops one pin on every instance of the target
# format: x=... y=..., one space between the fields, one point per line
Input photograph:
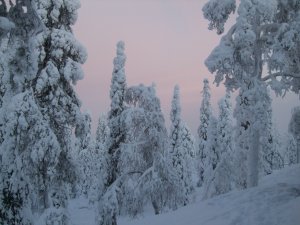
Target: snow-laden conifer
x=28 y=148
x=220 y=179
x=60 y=58
x=291 y=150
x=115 y=139
x=147 y=174
x=182 y=147
x=205 y=114
x=294 y=129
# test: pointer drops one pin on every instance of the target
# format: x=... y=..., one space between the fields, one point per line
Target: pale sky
x=166 y=41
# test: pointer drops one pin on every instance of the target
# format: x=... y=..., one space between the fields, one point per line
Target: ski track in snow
x=276 y=201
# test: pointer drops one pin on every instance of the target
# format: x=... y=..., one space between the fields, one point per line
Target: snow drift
x=275 y=201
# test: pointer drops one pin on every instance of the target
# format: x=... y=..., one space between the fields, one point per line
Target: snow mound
x=275 y=201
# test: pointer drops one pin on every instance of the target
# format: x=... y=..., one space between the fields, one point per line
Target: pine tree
x=181 y=148
x=85 y=154
x=116 y=138
x=291 y=150
x=271 y=152
x=28 y=148
x=42 y=60
x=205 y=114
x=147 y=177
x=60 y=58
x=210 y=151
x=101 y=159
x=294 y=129
x=220 y=179
x=102 y=132
x=262 y=37
x=118 y=87
x=253 y=113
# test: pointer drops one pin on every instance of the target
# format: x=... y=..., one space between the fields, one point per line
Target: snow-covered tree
x=290 y=150
x=205 y=114
x=102 y=132
x=294 y=129
x=42 y=61
x=28 y=148
x=60 y=58
x=29 y=154
x=116 y=137
x=225 y=126
x=210 y=151
x=257 y=51
x=101 y=159
x=148 y=175
x=254 y=122
x=220 y=179
x=117 y=91
x=182 y=146
x=241 y=144
x=85 y=151
x=273 y=159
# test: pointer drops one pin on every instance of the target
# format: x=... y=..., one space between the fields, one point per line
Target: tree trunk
x=298 y=150
x=253 y=154
x=155 y=207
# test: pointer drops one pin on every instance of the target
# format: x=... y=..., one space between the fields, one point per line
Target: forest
x=134 y=163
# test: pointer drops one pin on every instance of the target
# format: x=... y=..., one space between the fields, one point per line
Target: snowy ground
x=276 y=201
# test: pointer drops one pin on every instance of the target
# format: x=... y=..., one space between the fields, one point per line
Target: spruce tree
x=28 y=148
x=291 y=150
x=294 y=129
x=43 y=61
x=60 y=58
x=220 y=179
x=145 y=155
x=205 y=114
x=102 y=132
x=181 y=148
x=115 y=139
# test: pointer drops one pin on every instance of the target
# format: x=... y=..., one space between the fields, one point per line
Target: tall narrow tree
x=116 y=137
x=205 y=114
x=294 y=129
x=220 y=178
x=181 y=147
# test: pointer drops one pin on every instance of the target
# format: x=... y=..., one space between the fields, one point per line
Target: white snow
x=276 y=201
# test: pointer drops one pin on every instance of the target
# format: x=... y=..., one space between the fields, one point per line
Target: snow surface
x=275 y=201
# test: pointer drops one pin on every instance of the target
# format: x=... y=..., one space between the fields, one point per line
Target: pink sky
x=166 y=41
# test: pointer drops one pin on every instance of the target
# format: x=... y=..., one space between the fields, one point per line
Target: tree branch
x=279 y=74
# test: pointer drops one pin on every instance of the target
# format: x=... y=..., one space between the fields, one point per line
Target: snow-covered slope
x=276 y=201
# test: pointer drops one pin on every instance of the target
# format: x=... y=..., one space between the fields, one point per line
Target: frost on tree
x=60 y=57
x=259 y=49
x=144 y=176
x=117 y=90
x=29 y=154
x=85 y=154
x=182 y=148
x=102 y=132
x=294 y=129
x=147 y=176
x=254 y=141
x=115 y=139
x=100 y=158
x=205 y=114
x=219 y=180
x=28 y=148
x=290 y=150
x=42 y=61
